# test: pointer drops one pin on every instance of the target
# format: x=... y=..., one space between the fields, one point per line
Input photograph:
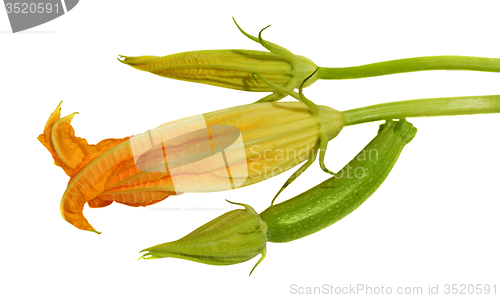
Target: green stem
x=410 y=65
x=445 y=106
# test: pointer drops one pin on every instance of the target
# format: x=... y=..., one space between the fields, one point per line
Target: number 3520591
x=32 y=7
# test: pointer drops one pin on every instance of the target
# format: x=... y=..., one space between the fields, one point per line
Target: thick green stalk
x=445 y=106
x=410 y=65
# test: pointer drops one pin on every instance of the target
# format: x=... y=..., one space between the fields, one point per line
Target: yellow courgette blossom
x=233 y=69
x=215 y=151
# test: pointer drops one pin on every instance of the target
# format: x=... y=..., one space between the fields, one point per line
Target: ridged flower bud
x=232 y=69
x=234 y=237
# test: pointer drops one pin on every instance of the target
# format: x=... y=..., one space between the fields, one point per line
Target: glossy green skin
x=332 y=200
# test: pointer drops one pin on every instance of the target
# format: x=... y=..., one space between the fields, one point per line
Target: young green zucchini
x=332 y=200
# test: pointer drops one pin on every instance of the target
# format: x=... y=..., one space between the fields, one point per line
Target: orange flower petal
x=91 y=168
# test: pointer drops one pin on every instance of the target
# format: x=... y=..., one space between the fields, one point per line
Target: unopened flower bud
x=227 y=68
x=234 y=237
x=232 y=69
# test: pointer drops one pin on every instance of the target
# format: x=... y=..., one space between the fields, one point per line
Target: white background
x=434 y=220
